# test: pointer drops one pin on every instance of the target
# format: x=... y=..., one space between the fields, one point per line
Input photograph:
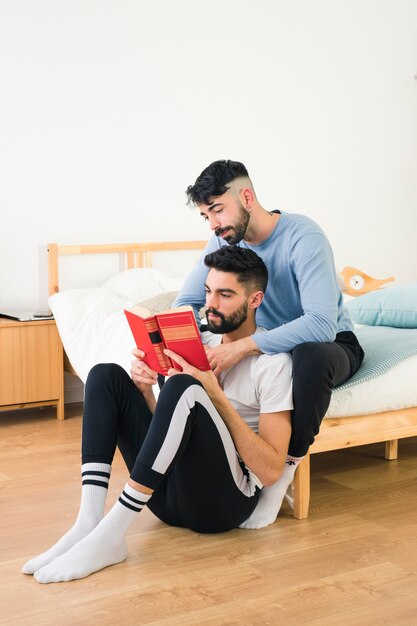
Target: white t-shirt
x=257 y=384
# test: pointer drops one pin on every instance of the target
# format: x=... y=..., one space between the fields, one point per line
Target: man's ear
x=256 y=299
x=246 y=197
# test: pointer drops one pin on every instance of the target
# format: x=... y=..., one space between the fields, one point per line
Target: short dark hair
x=246 y=264
x=214 y=181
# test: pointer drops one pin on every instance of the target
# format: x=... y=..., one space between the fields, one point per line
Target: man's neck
x=247 y=329
x=261 y=225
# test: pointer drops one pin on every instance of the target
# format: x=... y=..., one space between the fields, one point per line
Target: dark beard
x=229 y=324
x=239 y=228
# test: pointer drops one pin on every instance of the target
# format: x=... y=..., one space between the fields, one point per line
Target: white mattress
x=396 y=389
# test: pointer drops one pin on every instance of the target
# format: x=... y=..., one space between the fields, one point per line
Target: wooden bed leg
x=302 y=489
x=391 y=450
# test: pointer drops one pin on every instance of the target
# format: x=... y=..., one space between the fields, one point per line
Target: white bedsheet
x=396 y=389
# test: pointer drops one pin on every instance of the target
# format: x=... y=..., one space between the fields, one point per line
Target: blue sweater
x=303 y=301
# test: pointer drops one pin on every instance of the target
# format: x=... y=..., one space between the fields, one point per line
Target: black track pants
x=317 y=369
x=184 y=451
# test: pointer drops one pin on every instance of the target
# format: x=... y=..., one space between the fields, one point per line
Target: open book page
x=142 y=312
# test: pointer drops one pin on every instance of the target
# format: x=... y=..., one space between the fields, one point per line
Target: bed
x=380 y=407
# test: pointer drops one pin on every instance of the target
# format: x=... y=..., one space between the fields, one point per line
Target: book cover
x=175 y=329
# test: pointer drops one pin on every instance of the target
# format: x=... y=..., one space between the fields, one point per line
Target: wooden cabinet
x=31 y=365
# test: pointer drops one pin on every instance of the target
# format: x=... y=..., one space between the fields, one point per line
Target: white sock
x=95 y=483
x=104 y=546
x=271 y=498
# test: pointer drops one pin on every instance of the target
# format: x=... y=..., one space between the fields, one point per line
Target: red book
x=175 y=329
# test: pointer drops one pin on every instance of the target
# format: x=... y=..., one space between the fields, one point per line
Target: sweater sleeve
x=311 y=261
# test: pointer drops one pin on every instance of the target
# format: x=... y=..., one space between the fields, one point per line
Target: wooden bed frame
x=335 y=433
x=135 y=254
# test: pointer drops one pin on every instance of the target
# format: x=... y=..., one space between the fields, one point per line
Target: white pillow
x=91 y=322
x=392 y=306
x=93 y=328
x=141 y=283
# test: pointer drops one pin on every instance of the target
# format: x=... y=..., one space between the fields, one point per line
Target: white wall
x=109 y=109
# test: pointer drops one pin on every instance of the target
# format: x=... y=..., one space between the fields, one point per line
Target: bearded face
x=220 y=324
x=235 y=232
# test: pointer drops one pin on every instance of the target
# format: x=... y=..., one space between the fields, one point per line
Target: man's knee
x=176 y=385
x=310 y=360
x=320 y=364
x=102 y=373
x=176 y=388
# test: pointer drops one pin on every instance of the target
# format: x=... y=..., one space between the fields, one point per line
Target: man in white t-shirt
x=203 y=455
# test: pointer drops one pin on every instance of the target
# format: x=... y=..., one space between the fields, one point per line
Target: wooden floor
x=352 y=562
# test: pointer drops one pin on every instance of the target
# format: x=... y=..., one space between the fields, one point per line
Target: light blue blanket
x=384 y=347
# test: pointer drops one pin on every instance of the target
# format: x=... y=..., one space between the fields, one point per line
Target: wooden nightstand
x=31 y=365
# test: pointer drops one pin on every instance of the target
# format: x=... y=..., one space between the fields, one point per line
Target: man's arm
x=263 y=454
x=144 y=378
x=312 y=264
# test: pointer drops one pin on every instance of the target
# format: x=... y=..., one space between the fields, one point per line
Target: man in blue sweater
x=303 y=307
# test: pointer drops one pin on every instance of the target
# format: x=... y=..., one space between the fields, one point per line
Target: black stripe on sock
x=129 y=506
x=93 y=473
x=126 y=495
x=97 y=483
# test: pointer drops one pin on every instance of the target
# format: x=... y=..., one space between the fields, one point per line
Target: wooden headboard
x=140 y=255
x=136 y=254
